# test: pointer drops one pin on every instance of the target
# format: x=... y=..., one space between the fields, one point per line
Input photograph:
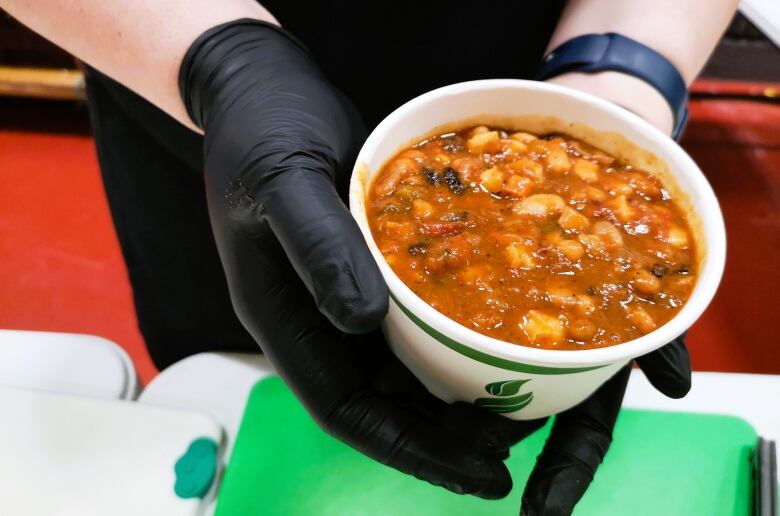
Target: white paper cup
x=457 y=363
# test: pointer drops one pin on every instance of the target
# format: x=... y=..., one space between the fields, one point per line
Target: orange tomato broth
x=541 y=241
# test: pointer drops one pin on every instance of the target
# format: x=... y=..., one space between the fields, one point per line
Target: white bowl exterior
x=453 y=376
x=559 y=379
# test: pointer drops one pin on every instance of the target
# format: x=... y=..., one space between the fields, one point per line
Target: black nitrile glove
x=279 y=143
x=581 y=436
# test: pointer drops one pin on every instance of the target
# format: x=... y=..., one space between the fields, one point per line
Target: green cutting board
x=660 y=464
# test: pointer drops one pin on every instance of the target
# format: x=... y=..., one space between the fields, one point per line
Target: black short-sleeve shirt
x=382 y=54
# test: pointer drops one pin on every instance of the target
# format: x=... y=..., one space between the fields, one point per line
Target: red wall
x=737 y=145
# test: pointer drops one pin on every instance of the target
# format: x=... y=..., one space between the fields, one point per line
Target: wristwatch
x=592 y=53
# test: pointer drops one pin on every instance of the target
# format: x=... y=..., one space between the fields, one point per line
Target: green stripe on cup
x=484 y=357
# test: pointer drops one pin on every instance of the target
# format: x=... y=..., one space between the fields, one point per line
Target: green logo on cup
x=507 y=399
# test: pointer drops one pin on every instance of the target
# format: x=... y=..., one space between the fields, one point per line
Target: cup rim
x=708 y=211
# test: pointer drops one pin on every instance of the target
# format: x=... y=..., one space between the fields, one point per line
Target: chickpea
x=397 y=170
x=542 y=329
x=404 y=167
x=608 y=233
x=594 y=194
x=561 y=296
x=582 y=330
x=645 y=282
x=557 y=160
x=642 y=320
x=539 y=146
x=518 y=230
x=523 y=137
x=677 y=237
x=414 y=180
x=567 y=298
x=684 y=283
x=588 y=194
x=528 y=167
x=553 y=237
x=616 y=187
x=478 y=142
x=469 y=168
x=399 y=230
x=540 y=206
x=514 y=146
x=414 y=155
x=621 y=209
x=519 y=186
x=585 y=304
x=593 y=245
x=492 y=180
x=572 y=249
x=648 y=186
x=573 y=220
x=519 y=256
x=496 y=146
x=422 y=209
x=602 y=158
x=586 y=170
x=472 y=274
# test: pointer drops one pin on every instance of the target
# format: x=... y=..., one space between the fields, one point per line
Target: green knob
x=196 y=469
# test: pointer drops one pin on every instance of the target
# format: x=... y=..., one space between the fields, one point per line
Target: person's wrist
x=625 y=90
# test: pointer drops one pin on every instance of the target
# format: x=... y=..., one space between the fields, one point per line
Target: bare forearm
x=139 y=43
x=683 y=31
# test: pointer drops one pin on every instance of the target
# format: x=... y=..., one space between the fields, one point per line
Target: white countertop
x=753 y=397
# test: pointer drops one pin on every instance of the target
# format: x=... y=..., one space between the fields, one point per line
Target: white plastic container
x=457 y=363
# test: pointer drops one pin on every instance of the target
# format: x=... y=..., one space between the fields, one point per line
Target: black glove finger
x=487 y=431
x=317 y=363
x=579 y=439
x=668 y=369
x=327 y=249
x=278 y=137
x=315 y=358
x=392 y=379
x=411 y=444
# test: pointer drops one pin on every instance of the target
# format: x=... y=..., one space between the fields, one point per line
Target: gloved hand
x=279 y=143
x=581 y=436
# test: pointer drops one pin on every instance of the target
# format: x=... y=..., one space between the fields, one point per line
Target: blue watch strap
x=601 y=52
